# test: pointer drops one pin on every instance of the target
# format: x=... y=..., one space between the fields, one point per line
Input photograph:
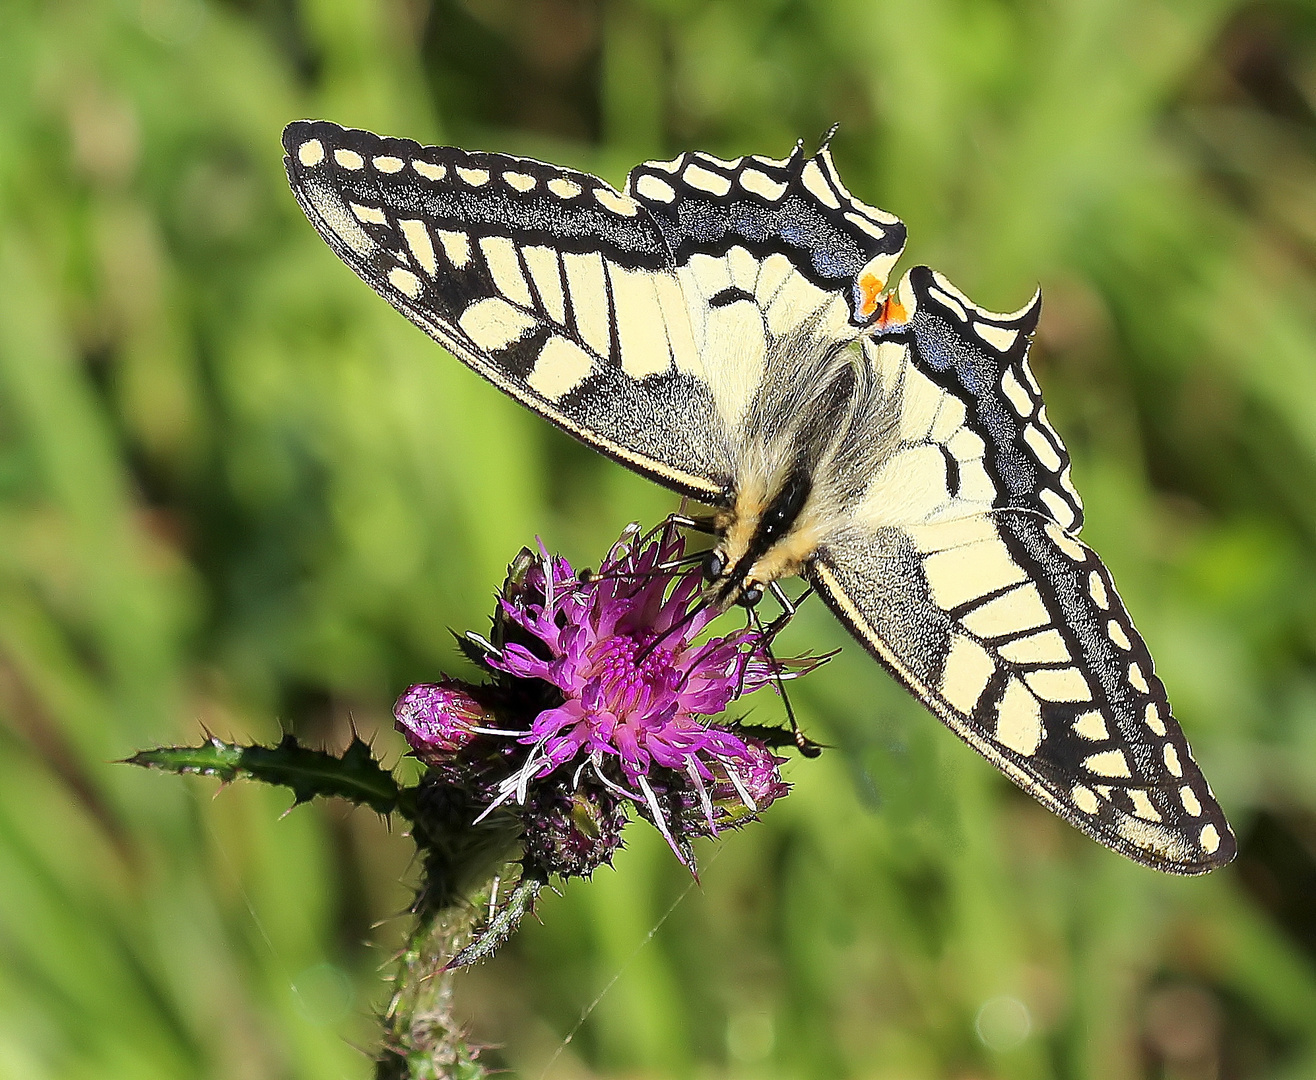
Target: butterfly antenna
x=807 y=746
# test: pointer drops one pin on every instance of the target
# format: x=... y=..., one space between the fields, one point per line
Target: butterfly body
x=725 y=328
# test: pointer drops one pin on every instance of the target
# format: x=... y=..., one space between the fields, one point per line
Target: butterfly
x=725 y=327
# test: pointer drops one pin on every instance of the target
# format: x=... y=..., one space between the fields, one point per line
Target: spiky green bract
x=355 y=776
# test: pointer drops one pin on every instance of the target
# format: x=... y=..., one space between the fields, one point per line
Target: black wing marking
x=552 y=285
x=1011 y=631
x=982 y=358
x=796 y=207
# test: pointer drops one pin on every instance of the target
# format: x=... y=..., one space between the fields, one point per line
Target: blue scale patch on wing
x=982 y=358
x=1010 y=630
x=795 y=207
x=548 y=282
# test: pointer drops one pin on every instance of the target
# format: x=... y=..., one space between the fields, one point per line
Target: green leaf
x=356 y=776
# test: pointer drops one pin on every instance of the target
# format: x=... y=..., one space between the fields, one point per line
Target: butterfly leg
x=678 y=520
x=788 y=609
x=807 y=746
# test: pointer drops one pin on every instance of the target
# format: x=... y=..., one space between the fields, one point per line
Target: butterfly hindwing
x=982 y=358
x=796 y=208
x=548 y=282
x=1011 y=631
x=778 y=264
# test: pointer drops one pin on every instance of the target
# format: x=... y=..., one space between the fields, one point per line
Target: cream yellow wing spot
x=965 y=675
x=813 y=180
x=773 y=274
x=742 y=269
x=1048 y=647
x=473 y=177
x=652 y=187
x=370 y=215
x=1136 y=679
x=1097 y=590
x=1142 y=806
x=762 y=185
x=998 y=337
x=1190 y=801
x=1116 y=634
x=967 y=530
x=1091 y=726
x=505 y=269
x=618 y=204
x=1015 y=394
x=736 y=344
x=949 y=419
x=493 y=324
x=1108 y=763
x=560 y=367
x=519 y=181
x=950 y=304
x=1085 y=799
x=641 y=334
x=546 y=274
x=698 y=177
x=429 y=169
x=910 y=487
x=1041 y=447
x=1019 y=720
x=794 y=302
x=456 y=246
x=710 y=275
x=920 y=400
x=405 y=282
x=417 y=235
x=589 y=299
x=1058 y=684
x=1013 y=612
x=965 y=574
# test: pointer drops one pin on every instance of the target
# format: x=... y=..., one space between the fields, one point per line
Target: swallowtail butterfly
x=725 y=328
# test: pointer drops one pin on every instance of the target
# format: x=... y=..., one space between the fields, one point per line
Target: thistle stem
x=463 y=864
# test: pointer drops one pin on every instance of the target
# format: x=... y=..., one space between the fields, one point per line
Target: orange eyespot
x=893 y=313
x=870 y=288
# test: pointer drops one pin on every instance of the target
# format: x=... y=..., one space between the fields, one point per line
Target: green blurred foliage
x=237 y=490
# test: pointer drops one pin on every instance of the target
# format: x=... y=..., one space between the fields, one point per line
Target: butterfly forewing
x=548 y=282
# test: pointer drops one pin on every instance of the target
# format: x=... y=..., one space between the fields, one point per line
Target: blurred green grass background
x=238 y=491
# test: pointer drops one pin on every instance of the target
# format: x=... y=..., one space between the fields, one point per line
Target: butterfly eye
x=714 y=564
x=750 y=595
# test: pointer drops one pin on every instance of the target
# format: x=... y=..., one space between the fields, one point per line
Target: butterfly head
x=762 y=536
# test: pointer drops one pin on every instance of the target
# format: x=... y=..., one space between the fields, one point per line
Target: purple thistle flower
x=637 y=686
x=605 y=696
